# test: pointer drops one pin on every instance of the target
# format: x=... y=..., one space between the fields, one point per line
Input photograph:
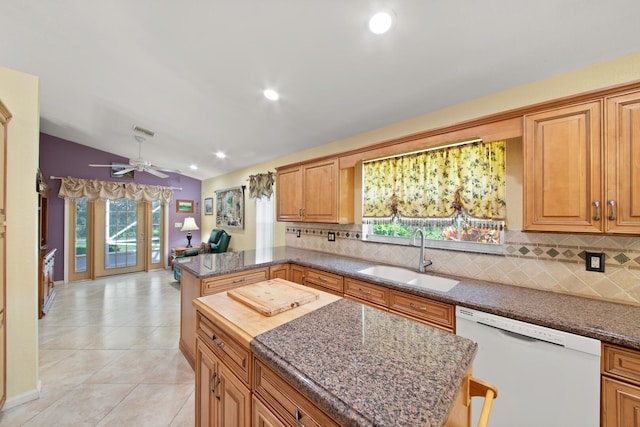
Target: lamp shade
x=189 y=224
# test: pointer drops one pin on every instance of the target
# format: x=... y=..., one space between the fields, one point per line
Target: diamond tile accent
x=568 y=253
x=553 y=253
x=523 y=250
x=621 y=258
x=538 y=251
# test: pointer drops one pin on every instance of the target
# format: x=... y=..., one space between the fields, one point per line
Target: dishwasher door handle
x=518 y=336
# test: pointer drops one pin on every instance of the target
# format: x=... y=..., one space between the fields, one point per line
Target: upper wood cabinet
x=581 y=167
x=562 y=170
x=622 y=214
x=315 y=192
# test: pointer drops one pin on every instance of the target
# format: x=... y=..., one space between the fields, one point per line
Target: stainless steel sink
x=410 y=277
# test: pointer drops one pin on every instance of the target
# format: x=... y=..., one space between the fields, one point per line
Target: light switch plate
x=331 y=236
x=177 y=225
x=595 y=261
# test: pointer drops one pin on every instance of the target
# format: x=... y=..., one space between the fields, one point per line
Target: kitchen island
x=353 y=364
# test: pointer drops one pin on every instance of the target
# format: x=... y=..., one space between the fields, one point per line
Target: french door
x=113 y=237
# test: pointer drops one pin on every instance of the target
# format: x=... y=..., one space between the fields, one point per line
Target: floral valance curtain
x=427 y=184
x=261 y=185
x=94 y=189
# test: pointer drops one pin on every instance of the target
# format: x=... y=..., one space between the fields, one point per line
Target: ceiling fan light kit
x=140 y=134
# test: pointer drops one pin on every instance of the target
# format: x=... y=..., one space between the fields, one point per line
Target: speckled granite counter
x=367 y=367
x=606 y=321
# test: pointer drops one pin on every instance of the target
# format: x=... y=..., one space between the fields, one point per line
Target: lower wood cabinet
x=292 y=407
x=46 y=290
x=368 y=293
x=434 y=313
x=263 y=417
x=280 y=271
x=192 y=287
x=620 y=387
x=324 y=281
x=222 y=400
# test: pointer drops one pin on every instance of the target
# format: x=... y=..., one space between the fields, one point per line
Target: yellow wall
x=618 y=71
x=20 y=93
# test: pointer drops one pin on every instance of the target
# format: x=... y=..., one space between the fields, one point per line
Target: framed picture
x=208 y=206
x=230 y=208
x=116 y=167
x=184 y=206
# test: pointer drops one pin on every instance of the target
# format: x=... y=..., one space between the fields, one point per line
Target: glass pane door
x=119 y=231
x=80 y=239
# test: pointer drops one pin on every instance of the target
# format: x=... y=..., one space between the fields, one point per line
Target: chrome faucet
x=422 y=264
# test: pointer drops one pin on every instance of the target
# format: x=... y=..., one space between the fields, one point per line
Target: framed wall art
x=208 y=206
x=184 y=206
x=230 y=208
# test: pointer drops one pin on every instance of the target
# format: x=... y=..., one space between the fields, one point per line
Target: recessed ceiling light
x=271 y=94
x=220 y=155
x=381 y=22
x=193 y=167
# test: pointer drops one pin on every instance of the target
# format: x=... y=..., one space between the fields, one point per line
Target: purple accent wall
x=59 y=157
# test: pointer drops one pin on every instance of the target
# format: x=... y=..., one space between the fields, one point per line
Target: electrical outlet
x=595 y=261
x=331 y=236
x=298 y=233
x=177 y=225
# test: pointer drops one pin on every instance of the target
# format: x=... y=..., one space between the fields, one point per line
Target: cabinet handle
x=322 y=279
x=298 y=416
x=597 y=205
x=364 y=291
x=300 y=212
x=214 y=338
x=423 y=308
x=212 y=382
x=216 y=388
x=220 y=344
x=612 y=203
x=238 y=280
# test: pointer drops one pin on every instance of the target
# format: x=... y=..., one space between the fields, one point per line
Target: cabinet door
x=206 y=379
x=234 y=400
x=279 y=272
x=620 y=404
x=297 y=274
x=321 y=191
x=289 y=202
x=563 y=169
x=622 y=211
x=263 y=417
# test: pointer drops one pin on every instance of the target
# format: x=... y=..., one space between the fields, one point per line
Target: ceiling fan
x=139 y=164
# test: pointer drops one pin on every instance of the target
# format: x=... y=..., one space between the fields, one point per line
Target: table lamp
x=189 y=225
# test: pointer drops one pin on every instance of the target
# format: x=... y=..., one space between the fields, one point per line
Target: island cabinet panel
x=213 y=285
x=297 y=274
x=279 y=271
x=622 y=215
x=434 y=313
x=222 y=400
x=324 y=281
x=232 y=353
x=620 y=386
x=367 y=292
x=563 y=170
x=263 y=417
x=192 y=287
x=285 y=400
x=315 y=192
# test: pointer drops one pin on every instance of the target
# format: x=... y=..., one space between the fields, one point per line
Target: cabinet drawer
x=262 y=416
x=434 y=313
x=217 y=284
x=234 y=355
x=326 y=280
x=367 y=291
x=294 y=408
x=621 y=362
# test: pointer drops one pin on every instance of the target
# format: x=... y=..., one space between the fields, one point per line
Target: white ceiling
x=193 y=71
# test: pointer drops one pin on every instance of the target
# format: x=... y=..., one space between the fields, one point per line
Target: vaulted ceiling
x=193 y=71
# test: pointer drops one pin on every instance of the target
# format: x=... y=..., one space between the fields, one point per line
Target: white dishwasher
x=544 y=377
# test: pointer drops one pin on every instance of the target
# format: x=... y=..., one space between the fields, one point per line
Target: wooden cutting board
x=273 y=296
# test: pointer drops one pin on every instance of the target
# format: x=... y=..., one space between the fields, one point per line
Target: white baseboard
x=14 y=401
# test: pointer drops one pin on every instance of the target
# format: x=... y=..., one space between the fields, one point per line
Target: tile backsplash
x=554 y=262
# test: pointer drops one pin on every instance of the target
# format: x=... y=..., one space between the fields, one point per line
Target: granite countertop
x=603 y=320
x=368 y=367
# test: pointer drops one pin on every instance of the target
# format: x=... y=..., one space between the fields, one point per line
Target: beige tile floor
x=109 y=357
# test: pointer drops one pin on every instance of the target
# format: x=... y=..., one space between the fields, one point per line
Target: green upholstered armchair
x=218 y=241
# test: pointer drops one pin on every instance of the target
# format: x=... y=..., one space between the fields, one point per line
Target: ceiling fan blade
x=107 y=166
x=124 y=170
x=156 y=173
x=166 y=169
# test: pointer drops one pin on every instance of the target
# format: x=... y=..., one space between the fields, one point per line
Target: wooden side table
x=176 y=251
